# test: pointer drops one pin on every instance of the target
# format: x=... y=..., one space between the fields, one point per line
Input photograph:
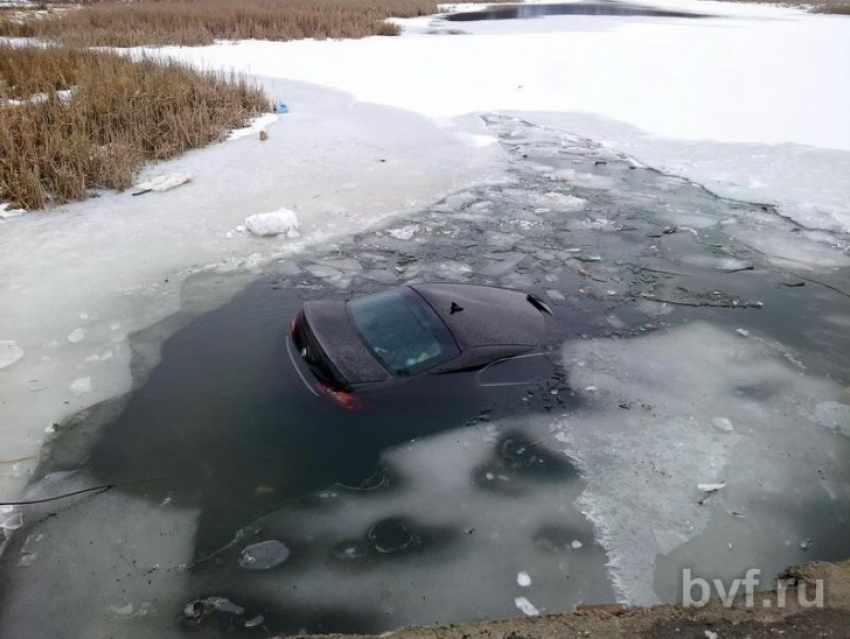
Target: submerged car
x=342 y=349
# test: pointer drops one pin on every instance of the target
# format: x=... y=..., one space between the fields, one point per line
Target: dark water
x=225 y=423
x=527 y=11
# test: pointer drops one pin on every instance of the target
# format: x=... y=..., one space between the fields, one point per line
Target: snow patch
x=254 y=126
x=282 y=221
x=7 y=213
x=162 y=183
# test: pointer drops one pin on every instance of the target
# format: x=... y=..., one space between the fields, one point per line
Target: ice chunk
x=10 y=353
x=7 y=213
x=453 y=271
x=711 y=488
x=264 y=555
x=576 y=544
x=325 y=272
x=834 y=415
x=733 y=265
x=722 y=423
x=523 y=579
x=566 y=203
x=123 y=611
x=405 y=232
x=81 y=385
x=346 y=265
x=526 y=607
x=11 y=520
x=502 y=263
x=274 y=223
x=161 y=183
x=382 y=276
x=585 y=180
x=77 y=335
x=201 y=608
x=563 y=174
x=254 y=622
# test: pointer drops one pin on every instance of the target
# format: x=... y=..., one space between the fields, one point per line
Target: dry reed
x=195 y=22
x=117 y=114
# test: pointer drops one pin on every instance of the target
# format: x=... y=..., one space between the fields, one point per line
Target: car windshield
x=402 y=331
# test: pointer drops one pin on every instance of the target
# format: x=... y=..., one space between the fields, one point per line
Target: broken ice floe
x=274 y=223
x=264 y=555
x=833 y=415
x=711 y=488
x=526 y=607
x=77 y=335
x=523 y=579
x=584 y=180
x=10 y=518
x=405 y=232
x=10 y=353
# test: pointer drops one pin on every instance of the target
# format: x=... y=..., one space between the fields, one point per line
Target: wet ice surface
x=248 y=506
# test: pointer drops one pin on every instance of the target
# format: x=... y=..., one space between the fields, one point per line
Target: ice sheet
x=648 y=444
x=753 y=102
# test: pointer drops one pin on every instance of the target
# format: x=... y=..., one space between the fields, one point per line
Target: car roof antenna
x=455 y=308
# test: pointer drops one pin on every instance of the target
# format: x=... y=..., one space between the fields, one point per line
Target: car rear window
x=402 y=331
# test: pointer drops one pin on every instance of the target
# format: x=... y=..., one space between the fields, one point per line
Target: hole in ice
x=527 y=11
x=517 y=460
x=392 y=536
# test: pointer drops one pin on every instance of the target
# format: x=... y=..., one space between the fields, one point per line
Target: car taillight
x=293 y=326
x=341 y=398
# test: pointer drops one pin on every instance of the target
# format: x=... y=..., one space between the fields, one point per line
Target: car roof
x=478 y=317
x=484 y=315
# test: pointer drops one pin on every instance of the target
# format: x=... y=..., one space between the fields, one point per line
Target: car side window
x=402 y=331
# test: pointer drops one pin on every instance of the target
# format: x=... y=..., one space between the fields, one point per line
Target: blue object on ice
x=281 y=108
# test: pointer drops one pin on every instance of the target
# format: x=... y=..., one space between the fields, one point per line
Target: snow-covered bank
x=77 y=280
x=748 y=79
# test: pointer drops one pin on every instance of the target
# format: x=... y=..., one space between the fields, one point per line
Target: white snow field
x=753 y=101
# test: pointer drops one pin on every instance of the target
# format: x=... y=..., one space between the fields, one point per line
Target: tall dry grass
x=119 y=115
x=195 y=22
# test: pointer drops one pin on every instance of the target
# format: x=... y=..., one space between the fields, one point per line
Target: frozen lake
x=689 y=357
